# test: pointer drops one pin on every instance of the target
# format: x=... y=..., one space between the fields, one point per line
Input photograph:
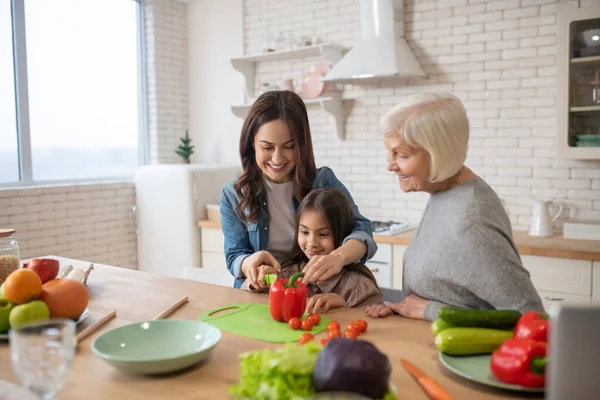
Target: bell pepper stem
x=292 y=282
x=538 y=365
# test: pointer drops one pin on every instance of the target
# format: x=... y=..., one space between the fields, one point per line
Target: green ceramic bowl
x=157 y=347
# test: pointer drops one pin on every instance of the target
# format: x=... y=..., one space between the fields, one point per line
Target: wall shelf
x=582 y=60
x=584 y=108
x=330 y=104
x=247 y=64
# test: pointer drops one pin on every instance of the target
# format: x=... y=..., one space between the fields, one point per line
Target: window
x=83 y=88
x=9 y=154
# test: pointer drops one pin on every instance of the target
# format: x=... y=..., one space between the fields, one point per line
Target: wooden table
x=138 y=296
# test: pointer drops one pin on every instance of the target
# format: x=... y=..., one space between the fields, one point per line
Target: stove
x=390 y=228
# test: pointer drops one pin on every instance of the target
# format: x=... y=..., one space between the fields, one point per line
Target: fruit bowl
x=157 y=347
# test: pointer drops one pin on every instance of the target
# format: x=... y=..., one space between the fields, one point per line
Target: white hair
x=436 y=123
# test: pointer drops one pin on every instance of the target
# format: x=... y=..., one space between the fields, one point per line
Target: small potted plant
x=185 y=150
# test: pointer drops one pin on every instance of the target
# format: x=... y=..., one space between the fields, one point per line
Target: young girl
x=323 y=220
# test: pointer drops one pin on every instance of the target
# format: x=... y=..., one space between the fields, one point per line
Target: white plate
x=84 y=315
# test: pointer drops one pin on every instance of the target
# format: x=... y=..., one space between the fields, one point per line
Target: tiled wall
x=499 y=57
x=93 y=221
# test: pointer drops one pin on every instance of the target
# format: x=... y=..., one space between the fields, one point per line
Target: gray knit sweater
x=463 y=254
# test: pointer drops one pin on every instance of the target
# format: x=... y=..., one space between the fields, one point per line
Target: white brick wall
x=85 y=221
x=93 y=221
x=167 y=75
x=499 y=57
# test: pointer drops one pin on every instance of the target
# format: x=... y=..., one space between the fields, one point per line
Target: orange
x=22 y=286
x=66 y=298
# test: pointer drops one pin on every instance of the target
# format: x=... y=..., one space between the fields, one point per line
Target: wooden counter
x=554 y=246
x=139 y=296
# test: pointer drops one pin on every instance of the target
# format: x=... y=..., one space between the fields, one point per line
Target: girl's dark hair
x=335 y=208
x=282 y=105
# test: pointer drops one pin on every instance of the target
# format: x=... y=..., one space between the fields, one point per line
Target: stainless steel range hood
x=383 y=51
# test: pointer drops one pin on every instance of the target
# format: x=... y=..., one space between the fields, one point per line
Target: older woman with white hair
x=463 y=253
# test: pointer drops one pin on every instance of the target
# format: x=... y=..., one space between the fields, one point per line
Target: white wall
x=498 y=56
x=215 y=34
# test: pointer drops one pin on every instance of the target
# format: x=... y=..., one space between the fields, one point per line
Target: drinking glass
x=42 y=355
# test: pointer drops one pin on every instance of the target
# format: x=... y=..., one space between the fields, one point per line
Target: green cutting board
x=254 y=321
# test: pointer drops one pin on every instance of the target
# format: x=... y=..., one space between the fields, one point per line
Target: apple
x=5 y=309
x=2 y=296
x=46 y=268
x=33 y=311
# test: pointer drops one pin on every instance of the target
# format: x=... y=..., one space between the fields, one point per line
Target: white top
x=283 y=219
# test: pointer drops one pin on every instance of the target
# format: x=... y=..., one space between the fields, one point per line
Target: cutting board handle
x=234 y=307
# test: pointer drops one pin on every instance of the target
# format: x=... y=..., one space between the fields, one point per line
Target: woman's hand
x=261 y=281
x=251 y=267
x=320 y=268
x=378 y=310
x=411 y=307
x=321 y=303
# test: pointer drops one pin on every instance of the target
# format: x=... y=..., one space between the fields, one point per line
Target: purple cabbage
x=356 y=366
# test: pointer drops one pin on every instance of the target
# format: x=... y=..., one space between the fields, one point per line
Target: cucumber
x=467 y=341
x=493 y=319
x=439 y=325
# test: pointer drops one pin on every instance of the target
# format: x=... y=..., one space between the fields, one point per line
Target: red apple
x=46 y=268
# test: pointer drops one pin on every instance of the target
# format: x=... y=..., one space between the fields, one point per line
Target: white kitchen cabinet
x=578 y=62
x=213 y=254
x=560 y=280
x=560 y=275
x=397 y=257
x=381 y=265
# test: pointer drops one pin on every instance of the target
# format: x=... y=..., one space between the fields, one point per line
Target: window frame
x=22 y=103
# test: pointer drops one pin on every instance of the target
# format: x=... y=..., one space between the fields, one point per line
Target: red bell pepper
x=520 y=362
x=532 y=325
x=287 y=298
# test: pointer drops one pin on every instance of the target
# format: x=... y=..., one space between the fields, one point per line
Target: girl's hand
x=378 y=310
x=320 y=268
x=321 y=303
x=251 y=266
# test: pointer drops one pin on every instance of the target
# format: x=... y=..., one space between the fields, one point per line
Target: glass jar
x=9 y=253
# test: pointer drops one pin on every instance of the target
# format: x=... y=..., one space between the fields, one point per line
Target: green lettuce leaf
x=284 y=373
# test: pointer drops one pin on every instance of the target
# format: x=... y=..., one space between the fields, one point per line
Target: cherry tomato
x=333 y=325
x=305 y=338
x=353 y=326
x=315 y=318
x=323 y=342
x=307 y=324
x=334 y=333
x=362 y=324
x=351 y=334
x=294 y=323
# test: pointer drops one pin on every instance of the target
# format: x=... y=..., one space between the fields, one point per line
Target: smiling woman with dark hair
x=258 y=209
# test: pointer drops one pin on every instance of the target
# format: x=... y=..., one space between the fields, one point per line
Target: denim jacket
x=243 y=240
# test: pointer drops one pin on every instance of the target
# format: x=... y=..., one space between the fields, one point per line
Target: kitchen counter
x=554 y=246
x=139 y=296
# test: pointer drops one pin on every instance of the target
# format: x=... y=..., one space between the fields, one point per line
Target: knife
x=429 y=385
